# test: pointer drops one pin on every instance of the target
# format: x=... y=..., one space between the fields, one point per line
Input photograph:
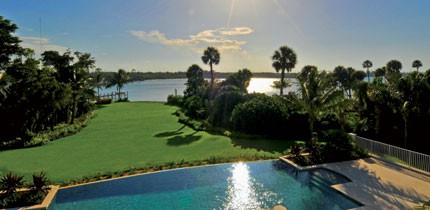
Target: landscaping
x=127 y=136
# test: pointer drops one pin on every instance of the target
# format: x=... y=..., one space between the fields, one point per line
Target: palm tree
x=367 y=64
x=211 y=56
x=317 y=94
x=284 y=59
x=119 y=80
x=417 y=64
x=393 y=71
x=394 y=66
x=98 y=81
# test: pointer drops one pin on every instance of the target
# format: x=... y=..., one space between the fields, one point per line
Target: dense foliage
x=10 y=197
x=38 y=94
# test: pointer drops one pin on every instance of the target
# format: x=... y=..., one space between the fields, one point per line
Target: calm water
x=253 y=185
x=158 y=90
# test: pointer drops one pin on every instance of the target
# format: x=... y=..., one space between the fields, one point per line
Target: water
x=253 y=185
x=158 y=90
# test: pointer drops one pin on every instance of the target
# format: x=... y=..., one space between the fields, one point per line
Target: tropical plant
x=98 y=81
x=75 y=75
x=393 y=74
x=417 y=64
x=278 y=84
x=195 y=83
x=10 y=183
x=367 y=64
x=239 y=79
x=284 y=59
x=339 y=146
x=394 y=66
x=40 y=183
x=119 y=80
x=211 y=56
x=380 y=72
x=317 y=94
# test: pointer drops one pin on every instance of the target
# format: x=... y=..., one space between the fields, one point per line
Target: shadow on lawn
x=180 y=140
x=170 y=133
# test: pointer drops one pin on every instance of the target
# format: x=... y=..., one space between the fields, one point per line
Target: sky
x=171 y=35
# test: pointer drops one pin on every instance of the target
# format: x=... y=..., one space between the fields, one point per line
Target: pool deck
x=379 y=184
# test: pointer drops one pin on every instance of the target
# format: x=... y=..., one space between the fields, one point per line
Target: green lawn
x=124 y=135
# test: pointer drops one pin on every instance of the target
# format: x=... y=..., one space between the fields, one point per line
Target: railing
x=115 y=95
x=409 y=157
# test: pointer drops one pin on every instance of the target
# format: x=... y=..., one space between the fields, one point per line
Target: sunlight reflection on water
x=241 y=192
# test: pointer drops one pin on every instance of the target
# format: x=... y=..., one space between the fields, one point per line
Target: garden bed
x=48 y=198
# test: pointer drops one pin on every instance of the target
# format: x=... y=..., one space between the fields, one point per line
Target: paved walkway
x=382 y=185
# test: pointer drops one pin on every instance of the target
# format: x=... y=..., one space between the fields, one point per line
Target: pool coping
x=322 y=166
x=387 y=189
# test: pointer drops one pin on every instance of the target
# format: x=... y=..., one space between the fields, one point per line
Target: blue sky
x=168 y=35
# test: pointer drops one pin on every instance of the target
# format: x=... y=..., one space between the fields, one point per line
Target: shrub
x=194 y=107
x=314 y=149
x=104 y=101
x=175 y=100
x=222 y=108
x=261 y=115
x=10 y=183
x=40 y=183
x=340 y=147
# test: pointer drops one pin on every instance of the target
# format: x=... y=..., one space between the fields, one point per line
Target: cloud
x=237 y=31
x=219 y=38
x=40 y=45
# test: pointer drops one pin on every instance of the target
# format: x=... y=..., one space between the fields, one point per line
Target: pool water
x=251 y=185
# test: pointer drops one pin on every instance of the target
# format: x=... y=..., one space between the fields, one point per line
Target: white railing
x=409 y=157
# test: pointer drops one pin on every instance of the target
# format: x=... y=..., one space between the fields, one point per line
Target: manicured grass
x=124 y=135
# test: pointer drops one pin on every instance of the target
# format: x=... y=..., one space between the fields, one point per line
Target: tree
x=306 y=70
x=317 y=94
x=119 y=80
x=239 y=79
x=380 y=72
x=284 y=59
x=367 y=64
x=394 y=66
x=9 y=44
x=98 y=81
x=417 y=64
x=347 y=78
x=211 y=56
x=393 y=71
x=74 y=74
x=195 y=82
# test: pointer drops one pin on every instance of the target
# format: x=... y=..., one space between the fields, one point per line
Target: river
x=158 y=90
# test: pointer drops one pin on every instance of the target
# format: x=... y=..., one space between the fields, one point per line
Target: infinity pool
x=251 y=185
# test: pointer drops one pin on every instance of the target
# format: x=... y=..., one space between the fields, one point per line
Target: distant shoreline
x=142 y=76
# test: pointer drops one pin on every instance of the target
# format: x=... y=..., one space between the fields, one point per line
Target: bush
x=104 y=101
x=40 y=183
x=339 y=147
x=194 y=107
x=10 y=198
x=262 y=116
x=175 y=100
x=222 y=108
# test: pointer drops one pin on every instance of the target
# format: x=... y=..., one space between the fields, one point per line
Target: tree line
x=393 y=107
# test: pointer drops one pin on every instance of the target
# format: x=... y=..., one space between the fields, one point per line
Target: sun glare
x=241 y=193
